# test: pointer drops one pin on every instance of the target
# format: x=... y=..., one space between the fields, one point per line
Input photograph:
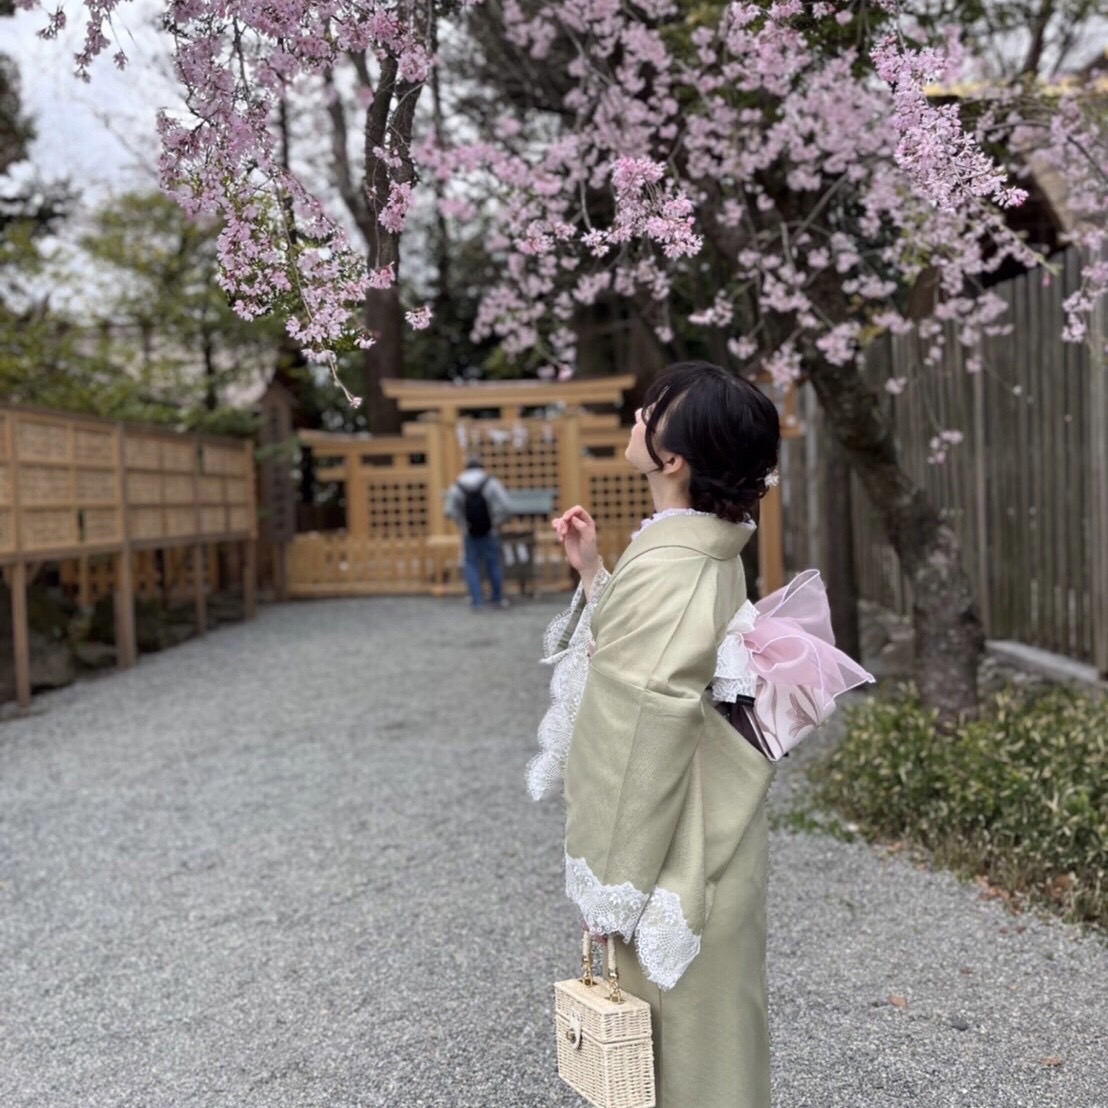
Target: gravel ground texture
x=293 y=864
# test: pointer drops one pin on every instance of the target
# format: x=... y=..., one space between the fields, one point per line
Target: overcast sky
x=100 y=135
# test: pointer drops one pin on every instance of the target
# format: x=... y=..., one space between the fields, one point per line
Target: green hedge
x=1019 y=795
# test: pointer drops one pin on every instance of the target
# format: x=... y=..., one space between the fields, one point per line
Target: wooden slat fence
x=1026 y=490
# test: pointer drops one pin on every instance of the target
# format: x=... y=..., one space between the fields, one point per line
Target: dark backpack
x=476 y=509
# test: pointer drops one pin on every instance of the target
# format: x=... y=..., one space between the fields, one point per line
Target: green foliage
x=45 y=358
x=136 y=327
x=1018 y=796
x=164 y=308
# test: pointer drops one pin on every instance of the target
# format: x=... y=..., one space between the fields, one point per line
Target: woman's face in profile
x=636 y=452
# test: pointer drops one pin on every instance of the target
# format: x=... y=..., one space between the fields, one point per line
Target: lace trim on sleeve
x=606 y=909
x=567 y=685
x=664 y=942
x=734 y=677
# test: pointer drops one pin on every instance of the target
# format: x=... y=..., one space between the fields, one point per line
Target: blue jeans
x=483 y=551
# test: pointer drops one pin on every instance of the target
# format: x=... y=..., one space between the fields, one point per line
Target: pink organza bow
x=792 y=645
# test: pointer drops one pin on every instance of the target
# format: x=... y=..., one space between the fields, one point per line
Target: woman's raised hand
x=576 y=531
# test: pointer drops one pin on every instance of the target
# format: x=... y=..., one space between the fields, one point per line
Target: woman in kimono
x=666 y=831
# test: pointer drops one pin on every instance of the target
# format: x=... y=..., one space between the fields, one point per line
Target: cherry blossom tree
x=775 y=173
x=800 y=145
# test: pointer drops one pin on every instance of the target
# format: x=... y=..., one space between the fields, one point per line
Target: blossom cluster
x=827 y=182
x=1072 y=146
x=281 y=248
x=942 y=159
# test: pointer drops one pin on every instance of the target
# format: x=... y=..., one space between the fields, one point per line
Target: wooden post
x=84 y=583
x=126 y=651
x=438 y=478
x=21 y=637
x=357 y=495
x=199 y=590
x=250 y=578
x=1098 y=489
x=570 y=473
x=770 y=554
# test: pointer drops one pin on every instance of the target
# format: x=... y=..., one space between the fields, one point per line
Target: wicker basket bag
x=605 y=1050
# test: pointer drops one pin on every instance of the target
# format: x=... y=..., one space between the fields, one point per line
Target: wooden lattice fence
x=77 y=490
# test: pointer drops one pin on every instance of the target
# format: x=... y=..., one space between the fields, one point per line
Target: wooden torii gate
x=560 y=438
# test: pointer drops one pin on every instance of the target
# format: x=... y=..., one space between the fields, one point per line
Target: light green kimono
x=666 y=835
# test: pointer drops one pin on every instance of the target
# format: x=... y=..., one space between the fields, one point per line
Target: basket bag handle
x=615 y=993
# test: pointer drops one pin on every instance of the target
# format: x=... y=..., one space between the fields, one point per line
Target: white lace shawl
x=567 y=685
x=664 y=942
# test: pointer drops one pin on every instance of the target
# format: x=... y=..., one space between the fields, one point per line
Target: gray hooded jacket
x=495 y=495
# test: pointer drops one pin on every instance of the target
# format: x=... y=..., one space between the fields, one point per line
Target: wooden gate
x=531 y=435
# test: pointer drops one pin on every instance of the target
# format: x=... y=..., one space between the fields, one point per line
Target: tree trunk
x=389 y=120
x=838 y=553
x=386 y=128
x=949 y=636
x=443 y=305
x=1038 y=38
x=211 y=396
x=385 y=358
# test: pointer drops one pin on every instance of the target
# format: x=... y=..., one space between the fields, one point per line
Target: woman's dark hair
x=724 y=427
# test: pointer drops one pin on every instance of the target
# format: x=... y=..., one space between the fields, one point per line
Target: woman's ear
x=676 y=466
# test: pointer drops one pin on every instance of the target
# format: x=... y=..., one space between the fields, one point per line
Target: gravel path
x=294 y=865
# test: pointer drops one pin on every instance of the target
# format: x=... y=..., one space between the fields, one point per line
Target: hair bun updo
x=731 y=499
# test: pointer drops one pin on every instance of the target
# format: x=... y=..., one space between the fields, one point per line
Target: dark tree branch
x=352 y=197
x=1039 y=26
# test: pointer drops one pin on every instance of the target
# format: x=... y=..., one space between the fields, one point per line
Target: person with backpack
x=479 y=503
